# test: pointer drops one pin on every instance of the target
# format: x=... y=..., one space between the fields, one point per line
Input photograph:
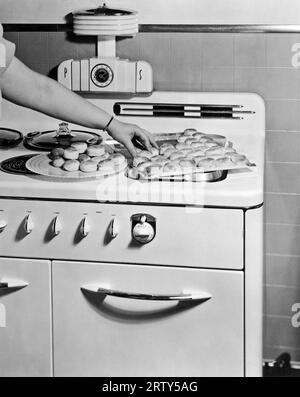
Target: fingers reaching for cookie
x=128 y=134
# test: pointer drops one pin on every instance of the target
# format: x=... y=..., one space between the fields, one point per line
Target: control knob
x=56 y=226
x=114 y=227
x=143 y=228
x=28 y=224
x=3 y=225
x=85 y=227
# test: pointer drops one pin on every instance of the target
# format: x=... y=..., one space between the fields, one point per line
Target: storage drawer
x=196 y=237
x=102 y=335
x=25 y=318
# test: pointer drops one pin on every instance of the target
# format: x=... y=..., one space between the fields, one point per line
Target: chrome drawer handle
x=184 y=297
x=7 y=284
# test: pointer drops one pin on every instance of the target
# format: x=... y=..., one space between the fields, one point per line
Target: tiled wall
x=214 y=62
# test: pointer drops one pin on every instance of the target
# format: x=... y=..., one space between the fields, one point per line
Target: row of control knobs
x=143 y=227
x=57 y=227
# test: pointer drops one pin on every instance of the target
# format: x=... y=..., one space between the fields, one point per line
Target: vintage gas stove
x=82 y=295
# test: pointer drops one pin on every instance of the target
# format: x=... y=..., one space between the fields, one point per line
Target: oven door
x=136 y=320
x=25 y=318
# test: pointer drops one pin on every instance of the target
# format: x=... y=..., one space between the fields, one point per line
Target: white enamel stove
x=118 y=277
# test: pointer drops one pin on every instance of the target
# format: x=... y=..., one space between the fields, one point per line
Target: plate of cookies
x=188 y=153
x=77 y=162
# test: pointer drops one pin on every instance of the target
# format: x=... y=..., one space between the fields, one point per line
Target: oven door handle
x=10 y=284
x=183 y=297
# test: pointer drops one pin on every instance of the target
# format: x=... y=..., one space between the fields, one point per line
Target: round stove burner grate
x=16 y=165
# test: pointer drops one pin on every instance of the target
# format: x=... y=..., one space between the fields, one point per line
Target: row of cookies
x=86 y=158
x=193 y=151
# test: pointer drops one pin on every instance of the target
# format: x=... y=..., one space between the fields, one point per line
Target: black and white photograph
x=149 y=191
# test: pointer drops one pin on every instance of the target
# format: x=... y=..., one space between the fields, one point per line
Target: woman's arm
x=25 y=87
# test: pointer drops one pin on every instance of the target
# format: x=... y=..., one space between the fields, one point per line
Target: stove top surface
x=240 y=188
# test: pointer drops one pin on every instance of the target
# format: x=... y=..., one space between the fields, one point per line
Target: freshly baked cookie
x=223 y=162
x=195 y=153
x=187 y=165
x=153 y=170
x=133 y=173
x=88 y=166
x=138 y=160
x=189 y=131
x=198 y=135
x=182 y=138
x=177 y=155
x=196 y=144
x=118 y=159
x=145 y=153
x=71 y=165
x=58 y=162
x=218 y=138
x=186 y=150
x=211 y=144
x=95 y=150
x=197 y=159
x=57 y=152
x=180 y=146
x=71 y=154
x=215 y=151
x=154 y=151
x=172 y=168
x=204 y=139
x=97 y=159
x=79 y=146
x=165 y=147
x=239 y=159
x=106 y=166
x=229 y=150
x=83 y=157
x=169 y=151
x=142 y=166
x=207 y=162
x=159 y=159
x=191 y=140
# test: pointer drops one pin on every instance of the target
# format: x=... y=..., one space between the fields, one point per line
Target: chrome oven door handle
x=9 y=284
x=183 y=297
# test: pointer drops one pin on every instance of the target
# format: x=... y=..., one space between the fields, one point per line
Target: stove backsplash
x=262 y=63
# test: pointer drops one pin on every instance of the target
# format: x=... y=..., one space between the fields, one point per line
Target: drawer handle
x=8 y=284
x=183 y=297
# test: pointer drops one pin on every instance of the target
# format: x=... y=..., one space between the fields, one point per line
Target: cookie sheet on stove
x=188 y=153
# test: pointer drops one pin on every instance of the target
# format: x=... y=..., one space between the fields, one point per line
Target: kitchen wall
x=258 y=63
x=161 y=12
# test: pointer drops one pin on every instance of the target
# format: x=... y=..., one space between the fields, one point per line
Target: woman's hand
x=126 y=133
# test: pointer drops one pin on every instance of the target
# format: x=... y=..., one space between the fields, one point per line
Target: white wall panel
x=161 y=11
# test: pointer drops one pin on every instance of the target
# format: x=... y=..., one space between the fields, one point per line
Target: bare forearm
x=25 y=87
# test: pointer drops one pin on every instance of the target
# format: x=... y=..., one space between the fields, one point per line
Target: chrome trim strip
x=171 y=28
x=150 y=204
x=251 y=28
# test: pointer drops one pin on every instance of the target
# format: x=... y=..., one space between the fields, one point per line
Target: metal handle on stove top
x=32 y=135
x=183 y=297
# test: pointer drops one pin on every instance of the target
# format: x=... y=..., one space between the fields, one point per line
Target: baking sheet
x=172 y=139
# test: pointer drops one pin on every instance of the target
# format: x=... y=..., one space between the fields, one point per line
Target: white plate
x=41 y=165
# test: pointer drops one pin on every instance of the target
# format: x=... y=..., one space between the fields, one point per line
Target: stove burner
x=16 y=165
x=9 y=138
